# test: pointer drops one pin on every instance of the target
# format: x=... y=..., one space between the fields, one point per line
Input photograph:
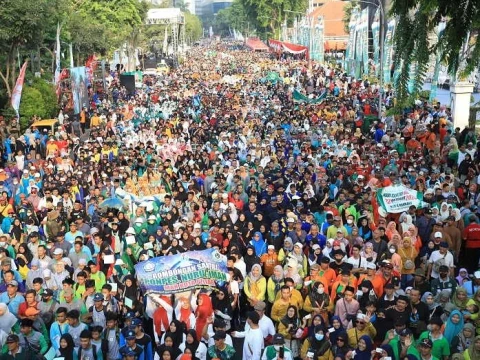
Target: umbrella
x=114 y=203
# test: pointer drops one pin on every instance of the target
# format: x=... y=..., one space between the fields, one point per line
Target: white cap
x=139 y=220
x=360 y=316
x=37 y=174
x=47 y=273
x=197 y=226
x=438 y=234
x=58 y=251
x=82 y=261
x=315 y=247
x=299 y=244
x=130 y=230
x=476 y=274
x=224 y=196
x=119 y=262
x=290 y=220
x=371 y=265
x=152 y=217
x=271 y=247
x=94 y=230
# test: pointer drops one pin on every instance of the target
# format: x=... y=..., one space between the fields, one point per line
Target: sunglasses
x=342 y=340
x=360 y=322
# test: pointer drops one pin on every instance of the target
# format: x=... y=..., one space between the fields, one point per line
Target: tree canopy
x=417 y=21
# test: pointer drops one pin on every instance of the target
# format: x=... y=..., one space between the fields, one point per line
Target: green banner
x=397 y=199
x=298 y=97
x=365 y=40
x=376 y=40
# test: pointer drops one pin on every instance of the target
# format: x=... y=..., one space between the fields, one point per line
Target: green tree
x=22 y=26
x=38 y=98
x=233 y=17
x=193 y=27
x=417 y=21
x=270 y=14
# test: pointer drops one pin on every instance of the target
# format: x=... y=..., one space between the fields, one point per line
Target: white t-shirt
x=357 y=263
x=448 y=261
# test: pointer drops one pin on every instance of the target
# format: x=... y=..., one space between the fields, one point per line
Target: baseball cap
x=47 y=292
x=426 y=343
x=387 y=264
x=278 y=339
x=130 y=335
x=315 y=247
x=98 y=297
x=443 y=244
x=58 y=251
x=438 y=234
x=12 y=338
x=13 y=283
x=129 y=315
x=406 y=332
x=220 y=334
x=136 y=322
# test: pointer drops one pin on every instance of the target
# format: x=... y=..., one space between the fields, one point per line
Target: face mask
x=349 y=221
x=319 y=337
x=277 y=347
x=392 y=251
x=320 y=290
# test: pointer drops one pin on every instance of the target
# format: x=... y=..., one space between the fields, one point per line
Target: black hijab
x=67 y=353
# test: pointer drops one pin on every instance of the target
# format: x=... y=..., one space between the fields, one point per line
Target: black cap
x=406 y=332
x=325 y=260
x=443 y=268
x=389 y=286
x=426 y=343
x=47 y=292
x=12 y=338
x=278 y=339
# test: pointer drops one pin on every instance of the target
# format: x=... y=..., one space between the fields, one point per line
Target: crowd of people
x=284 y=190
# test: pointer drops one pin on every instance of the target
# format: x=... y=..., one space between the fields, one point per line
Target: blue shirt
x=13 y=304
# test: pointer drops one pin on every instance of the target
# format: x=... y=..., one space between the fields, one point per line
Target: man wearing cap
x=336 y=227
x=131 y=345
x=383 y=278
x=141 y=338
x=32 y=339
x=471 y=236
x=440 y=348
x=15 y=351
x=278 y=350
x=425 y=347
x=97 y=311
x=440 y=257
x=438 y=234
x=220 y=349
x=443 y=282
x=362 y=326
x=12 y=297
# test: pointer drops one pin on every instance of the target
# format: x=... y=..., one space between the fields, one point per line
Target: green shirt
x=441 y=347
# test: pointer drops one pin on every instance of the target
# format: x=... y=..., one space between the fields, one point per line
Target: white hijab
x=7 y=320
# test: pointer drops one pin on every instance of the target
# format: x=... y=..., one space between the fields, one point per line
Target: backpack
x=439 y=262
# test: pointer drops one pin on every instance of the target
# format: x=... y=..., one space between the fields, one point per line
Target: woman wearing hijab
x=203 y=311
x=275 y=282
x=255 y=285
x=184 y=313
x=337 y=329
x=473 y=352
x=364 y=229
x=222 y=305
x=434 y=308
x=131 y=291
x=318 y=300
x=197 y=348
x=175 y=333
x=408 y=254
x=167 y=352
x=460 y=298
x=7 y=319
x=364 y=349
x=67 y=347
x=288 y=327
x=453 y=326
x=463 y=340
x=340 y=347
x=317 y=344
x=462 y=276
x=250 y=258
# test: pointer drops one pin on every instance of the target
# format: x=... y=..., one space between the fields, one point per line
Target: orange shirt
x=327 y=277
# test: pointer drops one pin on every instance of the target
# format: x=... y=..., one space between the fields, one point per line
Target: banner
x=181 y=272
x=350 y=51
x=436 y=70
x=358 y=38
x=365 y=33
x=79 y=88
x=17 y=90
x=376 y=40
x=298 y=97
x=398 y=198
x=57 y=57
x=388 y=52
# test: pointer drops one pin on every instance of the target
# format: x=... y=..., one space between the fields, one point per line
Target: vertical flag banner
x=436 y=70
x=388 y=51
x=350 y=53
x=376 y=40
x=78 y=78
x=17 y=91
x=165 y=41
x=365 y=40
x=57 y=57
x=358 y=39
x=71 y=55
